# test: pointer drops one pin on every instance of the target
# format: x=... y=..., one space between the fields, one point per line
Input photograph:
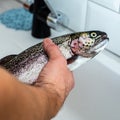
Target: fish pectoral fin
x=6 y=59
x=72 y=59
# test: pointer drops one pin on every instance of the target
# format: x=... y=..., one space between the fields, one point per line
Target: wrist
x=53 y=100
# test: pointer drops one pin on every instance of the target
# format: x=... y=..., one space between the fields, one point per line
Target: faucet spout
x=40 y=29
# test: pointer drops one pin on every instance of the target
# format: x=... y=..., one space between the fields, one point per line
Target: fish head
x=88 y=44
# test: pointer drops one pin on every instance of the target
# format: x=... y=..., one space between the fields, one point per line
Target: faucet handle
x=56 y=19
x=58 y=23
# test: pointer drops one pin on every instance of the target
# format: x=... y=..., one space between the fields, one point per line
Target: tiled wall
x=75 y=11
x=110 y=4
x=105 y=15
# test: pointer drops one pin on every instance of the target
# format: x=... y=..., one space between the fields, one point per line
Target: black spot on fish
x=6 y=59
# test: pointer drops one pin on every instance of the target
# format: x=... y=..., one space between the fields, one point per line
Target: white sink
x=96 y=95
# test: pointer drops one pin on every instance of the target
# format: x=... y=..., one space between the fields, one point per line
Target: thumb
x=51 y=49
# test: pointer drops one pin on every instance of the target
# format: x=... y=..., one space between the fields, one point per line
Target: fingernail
x=47 y=42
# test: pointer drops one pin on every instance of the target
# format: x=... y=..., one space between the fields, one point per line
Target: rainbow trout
x=76 y=47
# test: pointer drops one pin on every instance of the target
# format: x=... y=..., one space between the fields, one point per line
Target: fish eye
x=93 y=34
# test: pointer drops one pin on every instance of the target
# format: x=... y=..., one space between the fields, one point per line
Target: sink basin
x=8 y=4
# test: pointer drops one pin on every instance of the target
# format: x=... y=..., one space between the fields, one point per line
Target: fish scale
x=27 y=65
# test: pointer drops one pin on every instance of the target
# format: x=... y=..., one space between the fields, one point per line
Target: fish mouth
x=102 y=44
x=104 y=37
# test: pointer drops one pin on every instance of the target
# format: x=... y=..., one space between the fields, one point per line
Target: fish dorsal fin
x=6 y=59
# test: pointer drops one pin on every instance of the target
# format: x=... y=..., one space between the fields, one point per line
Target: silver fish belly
x=76 y=47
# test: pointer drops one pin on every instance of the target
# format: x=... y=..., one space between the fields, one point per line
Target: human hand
x=41 y=101
x=55 y=76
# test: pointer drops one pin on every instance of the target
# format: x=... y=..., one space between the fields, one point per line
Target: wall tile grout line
x=105 y=6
